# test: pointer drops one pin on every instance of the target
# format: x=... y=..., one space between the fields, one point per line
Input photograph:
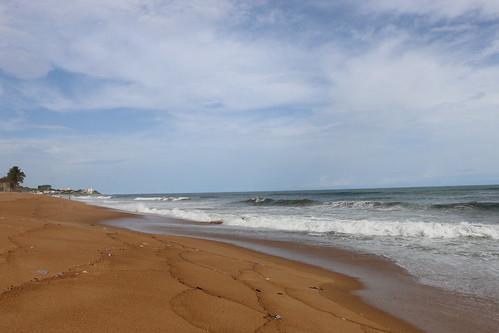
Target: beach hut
x=5 y=185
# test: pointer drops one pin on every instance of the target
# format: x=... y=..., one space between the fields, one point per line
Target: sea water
x=445 y=236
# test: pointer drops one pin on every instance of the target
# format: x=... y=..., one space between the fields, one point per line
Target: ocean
x=447 y=237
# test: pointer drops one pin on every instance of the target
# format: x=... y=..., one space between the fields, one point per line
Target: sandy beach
x=63 y=271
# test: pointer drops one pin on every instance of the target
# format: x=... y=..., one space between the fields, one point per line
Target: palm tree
x=15 y=176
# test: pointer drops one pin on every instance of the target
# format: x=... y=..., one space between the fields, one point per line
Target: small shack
x=5 y=185
x=44 y=188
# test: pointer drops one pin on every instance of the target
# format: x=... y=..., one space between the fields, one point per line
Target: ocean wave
x=311 y=224
x=356 y=204
x=418 y=229
x=457 y=206
x=161 y=198
x=191 y=215
x=367 y=204
x=412 y=229
x=471 y=205
x=93 y=197
x=262 y=201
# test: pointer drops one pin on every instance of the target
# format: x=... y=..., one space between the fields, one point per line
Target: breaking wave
x=356 y=204
x=409 y=229
x=372 y=228
x=261 y=201
x=361 y=204
x=472 y=205
x=161 y=198
x=372 y=204
x=93 y=197
x=193 y=215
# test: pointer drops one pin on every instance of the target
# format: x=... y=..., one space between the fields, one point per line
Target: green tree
x=15 y=176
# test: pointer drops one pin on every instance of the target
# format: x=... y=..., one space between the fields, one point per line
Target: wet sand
x=387 y=285
x=61 y=270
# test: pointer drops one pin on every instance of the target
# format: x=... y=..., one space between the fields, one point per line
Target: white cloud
x=446 y=9
x=403 y=104
x=184 y=55
x=394 y=77
x=173 y=55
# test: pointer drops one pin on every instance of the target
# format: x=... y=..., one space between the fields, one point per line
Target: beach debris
x=275 y=317
x=316 y=288
x=267 y=278
x=59 y=274
x=141 y=245
x=199 y=288
x=280 y=294
x=258 y=290
x=109 y=254
x=42 y=272
x=84 y=272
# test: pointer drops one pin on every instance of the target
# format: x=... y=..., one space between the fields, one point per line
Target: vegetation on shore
x=15 y=177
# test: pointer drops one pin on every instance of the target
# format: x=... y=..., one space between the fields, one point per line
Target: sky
x=137 y=96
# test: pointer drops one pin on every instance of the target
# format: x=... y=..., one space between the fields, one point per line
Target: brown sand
x=62 y=271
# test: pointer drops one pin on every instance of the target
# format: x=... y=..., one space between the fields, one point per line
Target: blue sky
x=221 y=95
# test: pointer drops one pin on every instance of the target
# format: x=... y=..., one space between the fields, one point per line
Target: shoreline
x=386 y=285
x=62 y=269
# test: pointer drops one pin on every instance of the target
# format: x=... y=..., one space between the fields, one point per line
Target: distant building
x=5 y=185
x=44 y=188
x=89 y=191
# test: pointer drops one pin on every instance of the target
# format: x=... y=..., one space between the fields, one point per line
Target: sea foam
x=351 y=227
x=93 y=197
x=371 y=228
x=161 y=198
